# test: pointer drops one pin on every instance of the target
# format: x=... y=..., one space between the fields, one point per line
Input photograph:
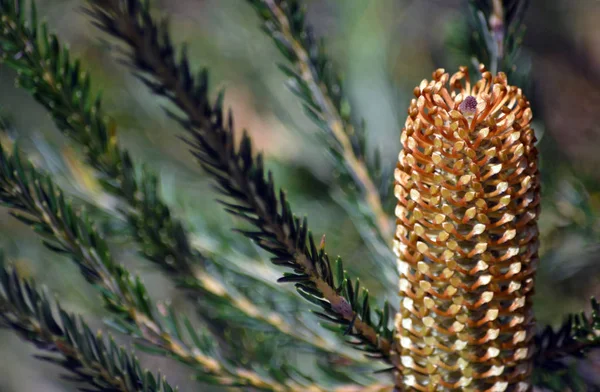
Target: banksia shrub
x=468 y=195
x=466 y=240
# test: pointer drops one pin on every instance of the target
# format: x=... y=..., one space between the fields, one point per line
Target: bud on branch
x=468 y=195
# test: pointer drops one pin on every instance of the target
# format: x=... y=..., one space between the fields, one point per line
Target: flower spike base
x=467 y=186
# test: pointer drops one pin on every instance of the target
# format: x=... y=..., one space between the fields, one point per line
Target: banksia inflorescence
x=468 y=200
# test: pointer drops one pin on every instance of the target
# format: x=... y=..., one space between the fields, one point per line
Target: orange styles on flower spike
x=468 y=193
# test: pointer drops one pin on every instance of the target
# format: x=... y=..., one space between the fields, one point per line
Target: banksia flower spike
x=467 y=186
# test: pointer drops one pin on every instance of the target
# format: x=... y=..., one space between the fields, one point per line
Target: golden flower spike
x=468 y=195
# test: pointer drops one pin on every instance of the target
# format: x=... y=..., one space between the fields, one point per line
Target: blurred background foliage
x=384 y=48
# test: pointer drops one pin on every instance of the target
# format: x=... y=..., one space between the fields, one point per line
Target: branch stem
x=338 y=127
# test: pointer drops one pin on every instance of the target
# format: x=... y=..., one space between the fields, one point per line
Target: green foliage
x=90 y=358
x=499 y=33
x=558 y=351
x=64 y=88
x=320 y=87
x=491 y=32
x=37 y=201
x=364 y=183
x=241 y=176
x=59 y=84
x=586 y=328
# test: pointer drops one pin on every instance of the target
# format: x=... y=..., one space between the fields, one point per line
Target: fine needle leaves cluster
x=313 y=78
x=241 y=177
x=558 y=350
x=69 y=341
x=57 y=82
x=63 y=87
x=498 y=33
x=35 y=200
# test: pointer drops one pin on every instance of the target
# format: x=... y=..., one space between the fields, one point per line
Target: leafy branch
x=36 y=201
x=314 y=80
x=60 y=84
x=241 y=176
x=556 y=349
x=499 y=32
x=92 y=358
x=577 y=335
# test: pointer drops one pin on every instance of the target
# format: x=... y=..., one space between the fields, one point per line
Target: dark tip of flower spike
x=468 y=107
